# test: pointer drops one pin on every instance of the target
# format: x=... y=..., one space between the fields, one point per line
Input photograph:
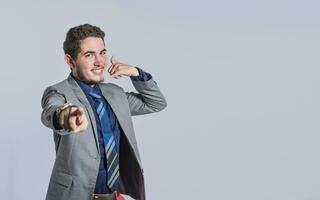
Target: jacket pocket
x=59 y=186
x=62 y=179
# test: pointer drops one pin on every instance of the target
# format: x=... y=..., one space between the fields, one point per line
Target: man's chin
x=94 y=82
x=99 y=81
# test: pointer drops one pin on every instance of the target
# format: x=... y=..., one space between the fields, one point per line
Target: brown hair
x=74 y=36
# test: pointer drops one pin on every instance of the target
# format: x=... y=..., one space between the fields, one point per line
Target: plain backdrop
x=241 y=79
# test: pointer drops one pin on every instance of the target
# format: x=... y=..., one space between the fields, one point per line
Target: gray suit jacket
x=77 y=154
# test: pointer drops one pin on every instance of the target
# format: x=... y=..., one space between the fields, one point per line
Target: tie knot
x=97 y=96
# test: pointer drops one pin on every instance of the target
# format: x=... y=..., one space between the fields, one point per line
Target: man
x=96 y=150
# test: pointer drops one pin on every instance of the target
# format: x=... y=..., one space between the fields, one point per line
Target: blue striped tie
x=109 y=142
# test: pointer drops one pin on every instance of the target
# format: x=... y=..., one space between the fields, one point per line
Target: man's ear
x=68 y=59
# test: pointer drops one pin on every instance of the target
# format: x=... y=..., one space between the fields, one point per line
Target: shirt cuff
x=143 y=76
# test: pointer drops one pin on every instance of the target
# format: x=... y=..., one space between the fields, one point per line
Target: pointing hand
x=73 y=119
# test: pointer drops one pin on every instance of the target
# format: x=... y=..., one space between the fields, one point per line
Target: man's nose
x=99 y=60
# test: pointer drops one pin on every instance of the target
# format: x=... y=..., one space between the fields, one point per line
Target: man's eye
x=103 y=53
x=88 y=55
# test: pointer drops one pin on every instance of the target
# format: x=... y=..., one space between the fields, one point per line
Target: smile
x=97 y=69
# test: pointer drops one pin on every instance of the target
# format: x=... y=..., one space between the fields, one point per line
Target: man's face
x=90 y=63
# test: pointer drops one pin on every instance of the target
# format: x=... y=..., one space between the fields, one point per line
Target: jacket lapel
x=83 y=99
x=113 y=100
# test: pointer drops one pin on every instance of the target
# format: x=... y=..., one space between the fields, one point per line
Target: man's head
x=85 y=53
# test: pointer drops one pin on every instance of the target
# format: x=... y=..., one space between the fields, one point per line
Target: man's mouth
x=97 y=70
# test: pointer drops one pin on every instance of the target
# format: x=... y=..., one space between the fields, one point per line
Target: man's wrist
x=62 y=108
x=56 y=116
x=143 y=76
x=135 y=72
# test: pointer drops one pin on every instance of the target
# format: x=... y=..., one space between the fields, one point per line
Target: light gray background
x=241 y=79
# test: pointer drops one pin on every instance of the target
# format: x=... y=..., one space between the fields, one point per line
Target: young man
x=96 y=151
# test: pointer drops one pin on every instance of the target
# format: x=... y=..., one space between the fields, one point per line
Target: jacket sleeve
x=148 y=98
x=51 y=100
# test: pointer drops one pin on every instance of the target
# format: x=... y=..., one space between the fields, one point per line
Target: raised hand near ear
x=118 y=69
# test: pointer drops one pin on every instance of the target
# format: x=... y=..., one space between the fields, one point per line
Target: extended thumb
x=113 y=60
